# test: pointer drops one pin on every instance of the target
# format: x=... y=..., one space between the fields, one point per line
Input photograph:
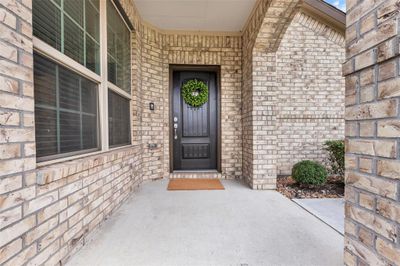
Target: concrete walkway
x=331 y=211
x=237 y=226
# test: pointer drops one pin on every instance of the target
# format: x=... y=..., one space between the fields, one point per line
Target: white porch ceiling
x=196 y=15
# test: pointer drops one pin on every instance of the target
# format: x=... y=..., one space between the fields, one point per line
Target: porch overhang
x=226 y=17
x=196 y=15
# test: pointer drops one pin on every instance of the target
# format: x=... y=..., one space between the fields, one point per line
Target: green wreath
x=195 y=93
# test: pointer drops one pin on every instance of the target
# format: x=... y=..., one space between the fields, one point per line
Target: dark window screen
x=66 y=111
x=118 y=50
x=118 y=120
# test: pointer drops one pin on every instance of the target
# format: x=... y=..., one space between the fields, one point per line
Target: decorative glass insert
x=118 y=49
x=66 y=111
x=70 y=26
x=118 y=120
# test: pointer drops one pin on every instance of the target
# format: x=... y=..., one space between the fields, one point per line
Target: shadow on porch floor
x=236 y=226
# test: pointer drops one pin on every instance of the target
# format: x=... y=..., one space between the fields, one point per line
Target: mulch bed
x=334 y=188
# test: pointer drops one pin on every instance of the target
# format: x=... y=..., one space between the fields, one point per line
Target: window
x=70 y=26
x=72 y=89
x=118 y=120
x=119 y=74
x=65 y=110
x=118 y=50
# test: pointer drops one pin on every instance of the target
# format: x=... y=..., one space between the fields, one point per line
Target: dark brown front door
x=194 y=130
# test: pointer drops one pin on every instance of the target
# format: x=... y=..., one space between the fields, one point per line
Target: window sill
x=68 y=158
x=50 y=171
x=121 y=147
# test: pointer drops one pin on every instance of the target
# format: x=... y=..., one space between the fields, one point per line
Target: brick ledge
x=50 y=173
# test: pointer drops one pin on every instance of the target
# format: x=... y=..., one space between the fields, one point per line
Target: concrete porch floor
x=237 y=226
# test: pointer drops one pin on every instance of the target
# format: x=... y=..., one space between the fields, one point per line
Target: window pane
x=66 y=109
x=47 y=22
x=92 y=55
x=111 y=39
x=69 y=89
x=89 y=136
x=92 y=16
x=92 y=36
x=74 y=8
x=111 y=69
x=45 y=82
x=123 y=66
x=118 y=120
x=70 y=26
x=89 y=94
x=118 y=47
x=46 y=131
x=73 y=41
x=70 y=132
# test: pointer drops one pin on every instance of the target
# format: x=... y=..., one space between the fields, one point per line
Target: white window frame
x=101 y=80
x=108 y=84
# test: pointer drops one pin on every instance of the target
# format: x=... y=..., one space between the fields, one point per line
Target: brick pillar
x=261 y=40
x=372 y=223
x=264 y=120
x=17 y=134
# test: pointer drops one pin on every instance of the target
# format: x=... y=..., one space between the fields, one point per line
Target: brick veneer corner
x=372 y=222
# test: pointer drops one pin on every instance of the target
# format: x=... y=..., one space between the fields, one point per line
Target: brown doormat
x=195 y=184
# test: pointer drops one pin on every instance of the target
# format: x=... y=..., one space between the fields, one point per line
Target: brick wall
x=372 y=223
x=152 y=91
x=48 y=212
x=224 y=51
x=68 y=202
x=17 y=133
x=159 y=50
x=310 y=91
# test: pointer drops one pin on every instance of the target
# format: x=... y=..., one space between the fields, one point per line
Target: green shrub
x=309 y=173
x=335 y=149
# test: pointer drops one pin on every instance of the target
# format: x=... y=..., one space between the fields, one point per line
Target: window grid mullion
x=92 y=38
x=62 y=26
x=93 y=5
x=44 y=106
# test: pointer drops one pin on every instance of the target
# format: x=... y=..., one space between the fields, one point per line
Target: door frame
x=204 y=68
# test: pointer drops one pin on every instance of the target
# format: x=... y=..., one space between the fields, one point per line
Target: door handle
x=175 y=131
